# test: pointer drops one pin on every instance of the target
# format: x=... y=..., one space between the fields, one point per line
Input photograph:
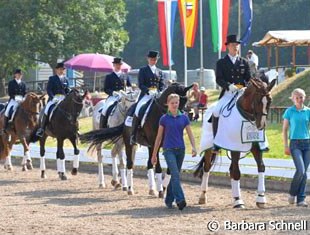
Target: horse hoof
x=160 y=194
x=240 y=206
x=130 y=193
x=74 y=171
x=29 y=165
x=202 y=201
x=102 y=186
x=43 y=175
x=114 y=182
x=24 y=168
x=62 y=176
x=260 y=205
x=125 y=188
x=152 y=192
x=9 y=168
x=117 y=186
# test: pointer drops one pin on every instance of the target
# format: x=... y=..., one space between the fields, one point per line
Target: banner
x=219 y=12
x=189 y=11
x=247 y=8
x=166 y=18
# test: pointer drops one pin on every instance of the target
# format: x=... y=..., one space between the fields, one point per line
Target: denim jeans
x=174 y=159
x=300 y=151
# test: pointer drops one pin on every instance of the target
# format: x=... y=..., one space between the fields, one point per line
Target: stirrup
x=133 y=140
x=40 y=132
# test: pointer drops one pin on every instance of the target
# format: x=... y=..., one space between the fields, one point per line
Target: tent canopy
x=283 y=38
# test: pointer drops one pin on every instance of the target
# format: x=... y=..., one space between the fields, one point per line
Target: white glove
x=115 y=93
x=152 y=92
x=232 y=88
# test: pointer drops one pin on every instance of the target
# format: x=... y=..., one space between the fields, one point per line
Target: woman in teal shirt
x=296 y=120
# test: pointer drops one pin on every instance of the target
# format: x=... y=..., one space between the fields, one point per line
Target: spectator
x=203 y=98
x=253 y=62
x=194 y=100
x=170 y=134
x=297 y=120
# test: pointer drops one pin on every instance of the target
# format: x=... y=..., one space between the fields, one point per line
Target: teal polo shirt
x=299 y=122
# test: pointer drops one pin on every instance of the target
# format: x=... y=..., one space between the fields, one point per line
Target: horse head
x=73 y=102
x=256 y=101
x=33 y=103
x=178 y=89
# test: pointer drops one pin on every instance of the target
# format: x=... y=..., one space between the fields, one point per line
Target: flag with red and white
x=166 y=18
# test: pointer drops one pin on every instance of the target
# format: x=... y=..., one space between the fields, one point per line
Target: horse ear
x=271 y=85
x=188 y=88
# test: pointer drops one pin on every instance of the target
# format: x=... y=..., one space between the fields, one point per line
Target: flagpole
x=185 y=48
x=168 y=24
x=239 y=24
x=201 y=44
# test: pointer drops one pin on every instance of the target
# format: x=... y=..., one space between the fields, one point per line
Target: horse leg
x=42 y=158
x=76 y=157
x=122 y=165
x=7 y=150
x=258 y=156
x=150 y=174
x=209 y=158
x=159 y=177
x=61 y=164
x=100 y=167
x=166 y=180
x=115 y=180
x=235 y=180
x=130 y=153
x=26 y=162
x=8 y=163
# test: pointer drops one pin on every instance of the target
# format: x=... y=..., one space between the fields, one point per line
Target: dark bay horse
x=63 y=125
x=253 y=106
x=25 y=121
x=146 y=136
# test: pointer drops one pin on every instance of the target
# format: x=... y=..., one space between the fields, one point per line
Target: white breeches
x=142 y=102
x=56 y=99
x=12 y=103
x=109 y=101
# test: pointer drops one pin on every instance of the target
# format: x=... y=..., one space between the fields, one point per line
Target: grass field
x=273 y=133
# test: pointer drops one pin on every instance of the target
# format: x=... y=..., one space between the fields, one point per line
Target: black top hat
x=232 y=39
x=17 y=71
x=60 y=65
x=117 y=60
x=153 y=54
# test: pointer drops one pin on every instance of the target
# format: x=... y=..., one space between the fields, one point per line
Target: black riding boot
x=103 y=121
x=40 y=131
x=134 y=130
x=5 y=124
x=215 y=123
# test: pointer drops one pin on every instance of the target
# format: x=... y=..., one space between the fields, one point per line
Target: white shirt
x=18 y=81
x=233 y=58
x=118 y=73
x=153 y=68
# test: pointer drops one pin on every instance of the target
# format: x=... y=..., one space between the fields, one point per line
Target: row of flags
x=188 y=10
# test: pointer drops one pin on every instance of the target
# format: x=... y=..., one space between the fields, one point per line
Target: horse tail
x=199 y=167
x=96 y=137
x=33 y=135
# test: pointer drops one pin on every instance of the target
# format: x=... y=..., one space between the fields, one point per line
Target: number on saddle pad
x=249 y=133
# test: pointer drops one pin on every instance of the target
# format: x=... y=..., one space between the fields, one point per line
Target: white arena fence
x=274 y=167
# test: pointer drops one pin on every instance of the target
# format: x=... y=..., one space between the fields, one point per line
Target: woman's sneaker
x=302 y=204
x=181 y=205
x=291 y=199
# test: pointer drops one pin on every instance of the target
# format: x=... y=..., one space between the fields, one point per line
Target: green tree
x=46 y=30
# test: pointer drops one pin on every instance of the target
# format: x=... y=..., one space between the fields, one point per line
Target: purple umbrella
x=94 y=62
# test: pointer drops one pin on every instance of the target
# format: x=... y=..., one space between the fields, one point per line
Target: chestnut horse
x=25 y=121
x=252 y=106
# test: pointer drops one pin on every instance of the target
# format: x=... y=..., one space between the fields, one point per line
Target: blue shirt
x=173 y=130
x=299 y=122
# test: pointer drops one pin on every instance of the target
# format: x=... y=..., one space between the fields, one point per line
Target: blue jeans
x=174 y=159
x=300 y=151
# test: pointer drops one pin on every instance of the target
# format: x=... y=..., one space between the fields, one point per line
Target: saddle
x=104 y=118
